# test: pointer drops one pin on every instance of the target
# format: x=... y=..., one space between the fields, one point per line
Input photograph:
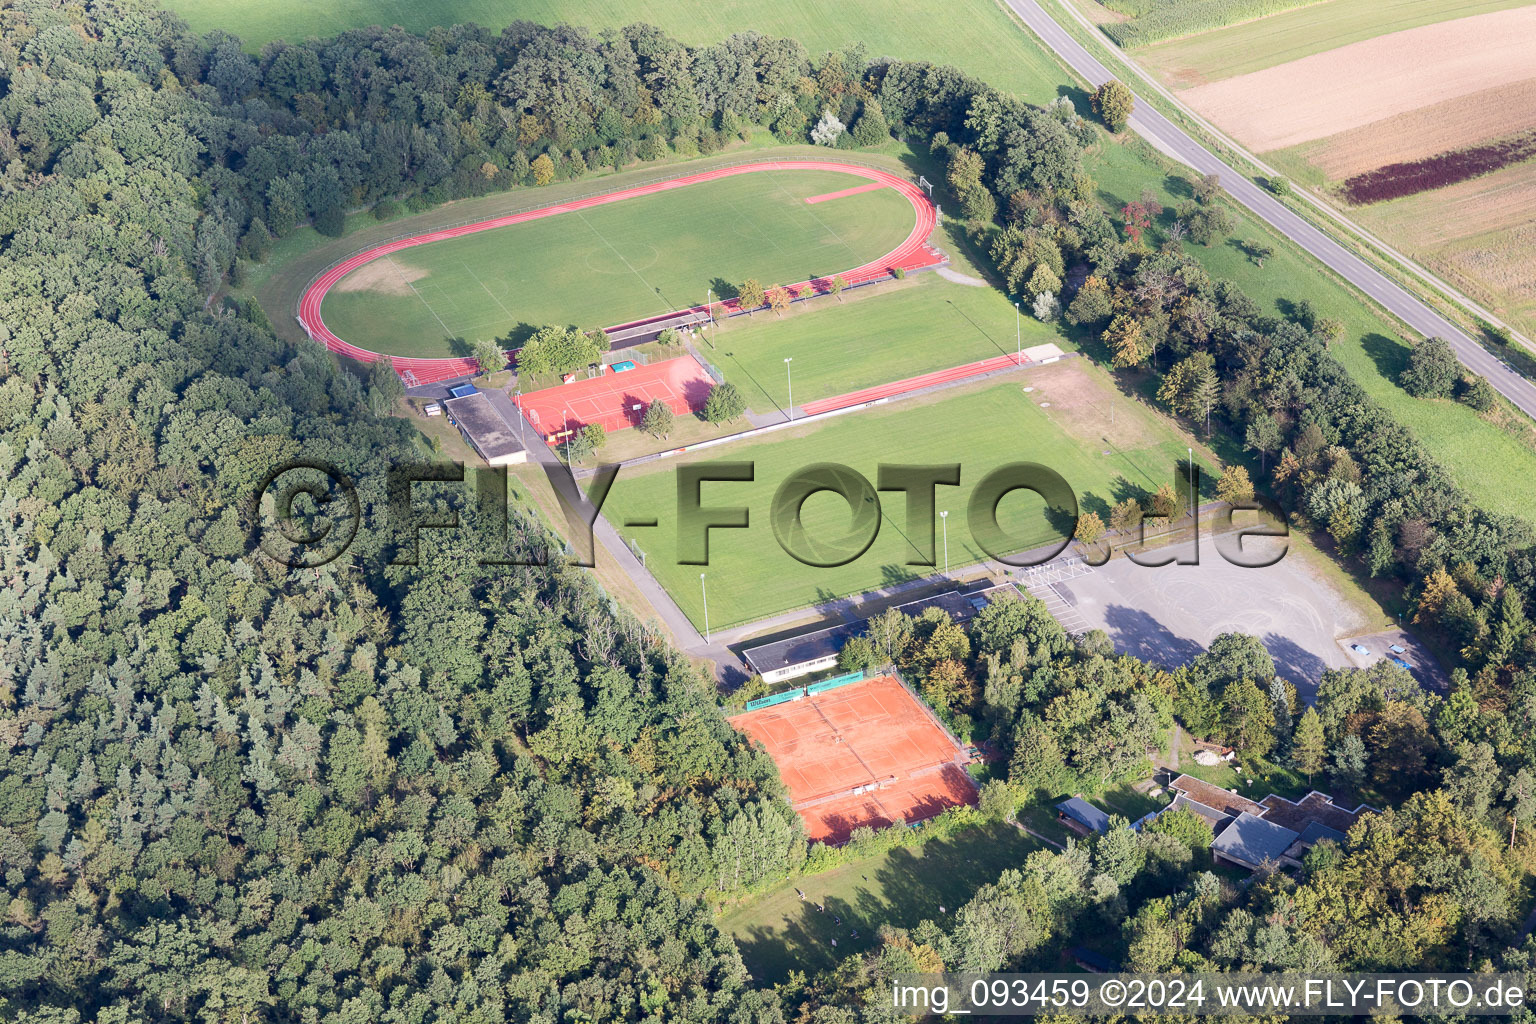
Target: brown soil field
x=386 y=276
x=1436 y=128
x=1365 y=82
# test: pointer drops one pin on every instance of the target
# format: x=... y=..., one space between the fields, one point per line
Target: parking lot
x=1379 y=645
x=1170 y=614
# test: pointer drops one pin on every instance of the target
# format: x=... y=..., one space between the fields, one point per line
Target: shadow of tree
x=1389 y=354
x=1135 y=632
x=1295 y=663
x=1178 y=186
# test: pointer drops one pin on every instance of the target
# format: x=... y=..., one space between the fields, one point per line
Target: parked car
x=1400 y=663
x=1397 y=649
x=1362 y=651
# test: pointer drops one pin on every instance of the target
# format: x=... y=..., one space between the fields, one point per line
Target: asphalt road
x=1173 y=141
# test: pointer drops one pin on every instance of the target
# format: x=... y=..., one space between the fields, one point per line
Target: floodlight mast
x=944 y=518
x=790 y=378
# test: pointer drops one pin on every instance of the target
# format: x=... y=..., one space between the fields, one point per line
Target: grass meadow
x=982 y=426
x=1495 y=465
x=614 y=263
x=778 y=933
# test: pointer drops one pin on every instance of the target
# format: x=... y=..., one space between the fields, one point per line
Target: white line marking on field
x=424 y=302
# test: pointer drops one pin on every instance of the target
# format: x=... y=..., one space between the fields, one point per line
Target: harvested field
x=1437 y=128
x=1255 y=45
x=1503 y=200
x=1364 y=82
x=1503 y=261
x=1395 y=181
x=1480 y=235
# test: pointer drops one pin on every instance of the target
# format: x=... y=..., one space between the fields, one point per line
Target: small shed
x=1079 y=814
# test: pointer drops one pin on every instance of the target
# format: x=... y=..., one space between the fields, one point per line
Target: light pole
x=1018 y=335
x=790 y=378
x=944 y=518
x=705 y=591
x=1191 y=471
x=709 y=303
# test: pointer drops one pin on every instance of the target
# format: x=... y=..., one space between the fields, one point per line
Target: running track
x=911 y=254
x=902 y=387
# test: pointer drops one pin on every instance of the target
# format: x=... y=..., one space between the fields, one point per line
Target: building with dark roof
x=1315 y=806
x=815 y=651
x=1316 y=832
x=1079 y=814
x=1091 y=960
x=1250 y=841
x=801 y=654
x=486 y=430
x=1223 y=800
x=1218 y=820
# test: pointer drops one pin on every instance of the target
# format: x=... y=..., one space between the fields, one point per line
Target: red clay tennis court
x=863 y=754
x=618 y=400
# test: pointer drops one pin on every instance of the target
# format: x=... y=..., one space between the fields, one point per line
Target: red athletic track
x=901 y=387
x=910 y=255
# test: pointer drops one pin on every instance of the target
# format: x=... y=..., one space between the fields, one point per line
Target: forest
x=231 y=790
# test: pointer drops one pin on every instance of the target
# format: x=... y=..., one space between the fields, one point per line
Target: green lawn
x=875 y=335
x=779 y=933
x=1489 y=462
x=981 y=426
x=614 y=263
x=981 y=39
x=1265 y=42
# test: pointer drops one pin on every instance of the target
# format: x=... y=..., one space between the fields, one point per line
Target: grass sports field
x=614 y=263
x=981 y=426
x=982 y=39
x=875 y=335
x=778 y=932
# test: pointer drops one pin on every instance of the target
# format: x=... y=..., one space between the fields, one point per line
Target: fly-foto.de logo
x=307 y=513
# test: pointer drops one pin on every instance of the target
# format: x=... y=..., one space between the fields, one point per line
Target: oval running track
x=910 y=254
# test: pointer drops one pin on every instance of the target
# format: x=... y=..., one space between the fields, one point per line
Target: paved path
x=1172 y=140
x=684 y=634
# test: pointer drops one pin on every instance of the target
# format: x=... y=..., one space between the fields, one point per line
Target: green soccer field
x=874 y=336
x=982 y=427
x=614 y=263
